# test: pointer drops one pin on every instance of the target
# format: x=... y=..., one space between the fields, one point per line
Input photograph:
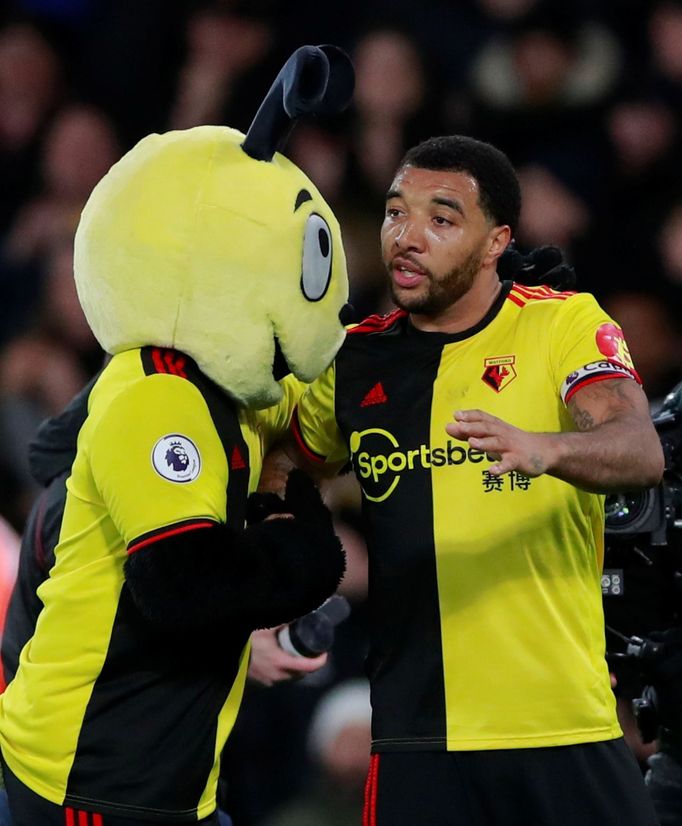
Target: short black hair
x=498 y=185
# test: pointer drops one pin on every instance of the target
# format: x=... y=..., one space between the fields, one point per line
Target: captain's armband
x=594 y=372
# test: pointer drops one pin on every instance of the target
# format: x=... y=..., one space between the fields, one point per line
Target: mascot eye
x=317 y=258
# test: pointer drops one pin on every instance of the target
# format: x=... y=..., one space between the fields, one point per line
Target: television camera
x=642 y=587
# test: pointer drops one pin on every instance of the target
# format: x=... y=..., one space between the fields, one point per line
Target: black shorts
x=591 y=784
x=29 y=809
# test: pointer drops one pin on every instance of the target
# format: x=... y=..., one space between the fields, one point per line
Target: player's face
x=433 y=239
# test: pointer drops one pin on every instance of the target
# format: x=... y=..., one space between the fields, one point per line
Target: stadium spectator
x=338 y=741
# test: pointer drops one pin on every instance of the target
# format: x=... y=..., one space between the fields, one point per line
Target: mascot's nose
x=346 y=314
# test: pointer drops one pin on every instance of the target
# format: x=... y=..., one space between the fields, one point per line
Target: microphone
x=313 y=633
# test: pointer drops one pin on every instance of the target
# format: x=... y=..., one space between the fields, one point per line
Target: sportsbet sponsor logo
x=379 y=462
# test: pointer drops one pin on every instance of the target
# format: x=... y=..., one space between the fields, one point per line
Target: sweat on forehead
x=445 y=188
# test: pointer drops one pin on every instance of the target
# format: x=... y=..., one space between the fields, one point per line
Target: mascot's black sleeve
x=268 y=574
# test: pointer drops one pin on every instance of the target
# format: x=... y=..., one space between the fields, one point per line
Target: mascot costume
x=211 y=269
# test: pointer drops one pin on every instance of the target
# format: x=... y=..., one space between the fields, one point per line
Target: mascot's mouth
x=280 y=368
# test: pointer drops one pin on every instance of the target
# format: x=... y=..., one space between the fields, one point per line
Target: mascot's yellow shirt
x=106 y=711
x=485 y=597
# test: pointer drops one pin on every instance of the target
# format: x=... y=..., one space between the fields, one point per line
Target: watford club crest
x=499 y=372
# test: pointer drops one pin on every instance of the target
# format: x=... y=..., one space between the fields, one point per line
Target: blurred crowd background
x=584 y=97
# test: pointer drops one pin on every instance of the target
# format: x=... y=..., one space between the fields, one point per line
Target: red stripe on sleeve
x=375 y=791
x=175 y=364
x=541 y=291
x=631 y=370
x=527 y=292
x=171 y=532
x=158 y=360
x=519 y=302
x=97 y=819
x=82 y=818
x=68 y=817
x=296 y=430
x=368 y=792
x=369 y=812
x=539 y=296
x=592 y=380
x=523 y=290
x=376 y=323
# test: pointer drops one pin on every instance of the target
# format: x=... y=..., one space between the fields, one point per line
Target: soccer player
x=491 y=695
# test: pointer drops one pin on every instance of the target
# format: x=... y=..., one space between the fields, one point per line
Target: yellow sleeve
x=157 y=460
x=587 y=346
x=314 y=424
x=273 y=422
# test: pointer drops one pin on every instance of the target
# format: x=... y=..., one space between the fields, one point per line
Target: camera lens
x=629 y=512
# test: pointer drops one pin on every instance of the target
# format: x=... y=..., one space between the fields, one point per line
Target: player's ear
x=499 y=239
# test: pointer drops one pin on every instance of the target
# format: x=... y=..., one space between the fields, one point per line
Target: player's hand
x=269 y=664
x=510 y=447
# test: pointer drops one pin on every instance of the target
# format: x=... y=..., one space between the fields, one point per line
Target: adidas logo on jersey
x=374 y=396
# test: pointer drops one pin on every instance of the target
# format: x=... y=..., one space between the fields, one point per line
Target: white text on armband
x=596 y=371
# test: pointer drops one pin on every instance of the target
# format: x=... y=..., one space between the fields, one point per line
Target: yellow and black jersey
x=105 y=710
x=485 y=597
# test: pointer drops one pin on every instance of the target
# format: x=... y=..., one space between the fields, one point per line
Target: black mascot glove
x=543 y=265
x=265 y=575
x=301 y=499
x=304 y=558
x=261 y=505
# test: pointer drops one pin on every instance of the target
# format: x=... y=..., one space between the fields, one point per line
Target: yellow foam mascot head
x=213 y=243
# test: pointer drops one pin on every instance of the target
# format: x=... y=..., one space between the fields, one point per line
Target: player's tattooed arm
x=583 y=420
x=614 y=445
x=606 y=400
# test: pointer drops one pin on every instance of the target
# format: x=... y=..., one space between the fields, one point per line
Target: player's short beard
x=442 y=293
